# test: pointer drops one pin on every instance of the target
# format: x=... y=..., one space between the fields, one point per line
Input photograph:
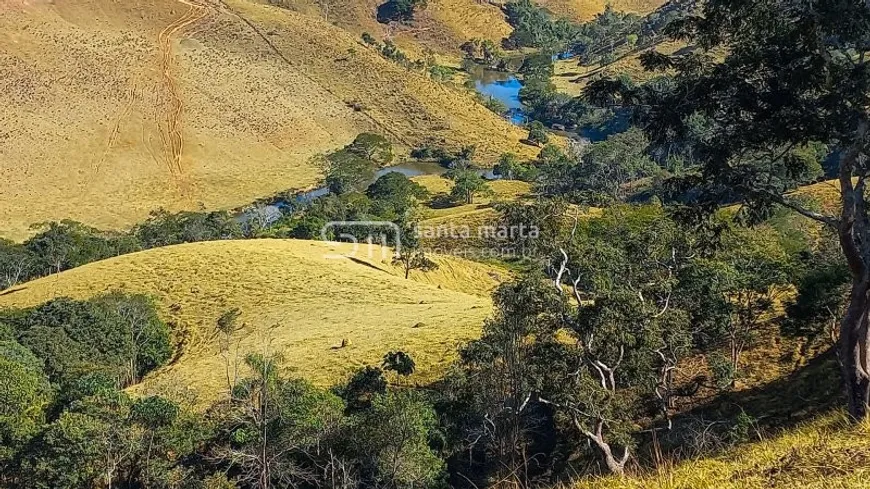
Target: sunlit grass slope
x=571 y=78
x=442 y=26
x=295 y=299
x=584 y=10
x=113 y=109
x=827 y=453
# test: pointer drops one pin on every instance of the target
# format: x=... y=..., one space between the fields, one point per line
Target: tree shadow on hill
x=389 y=12
x=810 y=391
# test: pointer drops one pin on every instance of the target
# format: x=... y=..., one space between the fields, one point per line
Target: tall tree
x=792 y=73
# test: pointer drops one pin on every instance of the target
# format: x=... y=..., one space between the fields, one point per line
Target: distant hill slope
x=114 y=108
x=442 y=26
x=294 y=299
x=583 y=10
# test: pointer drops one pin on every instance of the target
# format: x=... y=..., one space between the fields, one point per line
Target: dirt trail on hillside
x=116 y=128
x=170 y=130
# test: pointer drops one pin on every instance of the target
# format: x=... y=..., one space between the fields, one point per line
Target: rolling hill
x=295 y=298
x=115 y=108
x=583 y=10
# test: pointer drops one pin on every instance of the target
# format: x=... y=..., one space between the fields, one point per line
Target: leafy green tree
x=751 y=272
x=163 y=228
x=499 y=378
x=149 y=338
x=410 y=256
x=534 y=27
x=394 y=435
x=25 y=396
x=556 y=172
x=154 y=414
x=372 y=147
x=414 y=259
x=467 y=184
x=790 y=75
x=71 y=454
x=394 y=195
x=538 y=134
x=68 y=244
x=274 y=425
x=17 y=264
x=822 y=293
x=399 y=362
x=631 y=324
x=510 y=167
x=610 y=168
x=14 y=351
x=363 y=386
x=347 y=172
x=115 y=333
x=399 y=10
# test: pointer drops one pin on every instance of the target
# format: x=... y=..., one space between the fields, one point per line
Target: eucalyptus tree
x=769 y=77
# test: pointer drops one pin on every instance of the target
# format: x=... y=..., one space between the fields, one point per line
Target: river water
x=499 y=85
x=502 y=86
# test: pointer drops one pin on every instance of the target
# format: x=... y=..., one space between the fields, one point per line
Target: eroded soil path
x=170 y=126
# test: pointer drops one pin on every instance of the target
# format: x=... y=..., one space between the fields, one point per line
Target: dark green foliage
x=372 y=147
x=399 y=362
x=393 y=195
x=70 y=454
x=510 y=167
x=609 y=169
x=467 y=184
x=67 y=244
x=606 y=172
x=25 y=397
x=17 y=264
x=116 y=334
x=362 y=387
x=15 y=352
x=493 y=395
x=163 y=228
x=65 y=358
x=154 y=412
x=347 y=172
x=538 y=134
x=399 y=10
x=822 y=289
x=394 y=435
x=535 y=28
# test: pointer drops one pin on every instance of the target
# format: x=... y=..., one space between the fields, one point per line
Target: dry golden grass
x=584 y=10
x=293 y=298
x=503 y=190
x=442 y=26
x=827 y=453
x=113 y=109
x=571 y=78
x=826 y=194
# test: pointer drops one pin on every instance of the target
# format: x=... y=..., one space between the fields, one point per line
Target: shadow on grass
x=811 y=391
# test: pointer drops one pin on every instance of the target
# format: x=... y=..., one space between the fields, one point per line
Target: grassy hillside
x=294 y=298
x=442 y=26
x=583 y=10
x=571 y=78
x=114 y=109
x=826 y=453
